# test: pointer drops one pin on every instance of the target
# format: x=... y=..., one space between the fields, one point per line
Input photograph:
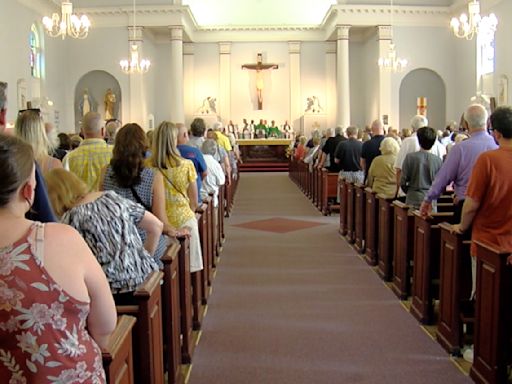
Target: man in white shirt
x=215 y=175
x=411 y=145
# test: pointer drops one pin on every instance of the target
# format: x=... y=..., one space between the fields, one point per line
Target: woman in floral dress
x=56 y=308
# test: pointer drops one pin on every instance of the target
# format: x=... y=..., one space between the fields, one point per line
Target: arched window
x=35 y=53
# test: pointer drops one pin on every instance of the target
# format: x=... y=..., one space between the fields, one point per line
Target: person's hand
x=509 y=260
x=426 y=209
x=456 y=228
x=183 y=232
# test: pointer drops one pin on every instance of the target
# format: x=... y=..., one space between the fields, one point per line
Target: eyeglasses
x=29 y=109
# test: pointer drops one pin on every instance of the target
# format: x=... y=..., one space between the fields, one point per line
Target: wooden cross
x=258 y=67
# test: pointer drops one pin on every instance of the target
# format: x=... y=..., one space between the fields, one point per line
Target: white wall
x=503 y=51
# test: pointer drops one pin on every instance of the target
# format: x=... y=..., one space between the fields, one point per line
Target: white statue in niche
x=209 y=106
x=313 y=105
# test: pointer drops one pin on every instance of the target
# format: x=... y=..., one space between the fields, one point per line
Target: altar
x=263 y=155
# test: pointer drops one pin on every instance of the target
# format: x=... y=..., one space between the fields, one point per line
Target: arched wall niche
x=93 y=87
x=423 y=82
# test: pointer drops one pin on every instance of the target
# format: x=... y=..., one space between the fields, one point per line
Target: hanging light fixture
x=135 y=64
x=392 y=62
x=467 y=25
x=68 y=24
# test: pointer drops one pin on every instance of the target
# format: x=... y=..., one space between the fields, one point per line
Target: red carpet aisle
x=293 y=303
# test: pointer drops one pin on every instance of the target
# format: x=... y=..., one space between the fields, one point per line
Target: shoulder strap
x=38 y=237
x=172 y=184
x=139 y=200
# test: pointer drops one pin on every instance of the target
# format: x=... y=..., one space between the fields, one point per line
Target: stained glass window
x=35 y=53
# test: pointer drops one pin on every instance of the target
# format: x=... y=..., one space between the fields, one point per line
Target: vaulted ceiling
x=259 y=12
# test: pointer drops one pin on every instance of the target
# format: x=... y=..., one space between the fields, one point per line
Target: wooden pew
x=403 y=243
x=171 y=313
x=427 y=240
x=118 y=355
x=351 y=225
x=228 y=198
x=493 y=316
x=359 y=218
x=220 y=223
x=198 y=279
x=329 y=191
x=187 y=344
x=454 y=288
x=318 y=195
x=147 y=337
x=385 y=238
x=371 y=232
x=342 y=188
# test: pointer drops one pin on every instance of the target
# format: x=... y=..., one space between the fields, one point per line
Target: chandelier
x=68 y=24
x=467 y=25
x=135 y=64
x=392 y=62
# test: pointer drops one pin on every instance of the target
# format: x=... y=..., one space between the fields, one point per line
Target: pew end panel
x=454 y=288
x=342 y=188
x=371 y=222
x=403 y=243
x=148 y=334
x=493 y=315
x=359 y=218
x=171 y=313
x=118 y=355
x=426 y=259
x=385 y=238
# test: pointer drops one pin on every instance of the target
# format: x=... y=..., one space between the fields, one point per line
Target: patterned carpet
x=297 y=305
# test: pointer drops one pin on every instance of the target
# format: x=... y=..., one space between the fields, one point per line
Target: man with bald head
x=371 y=148
x=93 y=154
x=460 y=160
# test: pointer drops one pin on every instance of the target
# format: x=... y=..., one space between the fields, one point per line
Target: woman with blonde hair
x=56 y=307
x=180 y=184
x=108 y=223
x=382 y=172
x=30 y=127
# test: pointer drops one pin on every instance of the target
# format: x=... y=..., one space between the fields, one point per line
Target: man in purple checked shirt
x=460 y=160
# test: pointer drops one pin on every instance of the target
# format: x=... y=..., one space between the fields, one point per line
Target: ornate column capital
x=225 y=48
x=342 y=32
x=176 y=32
x=293 y=47
x=385 y=32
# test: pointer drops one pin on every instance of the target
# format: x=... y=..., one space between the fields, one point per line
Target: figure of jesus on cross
x=259 y=67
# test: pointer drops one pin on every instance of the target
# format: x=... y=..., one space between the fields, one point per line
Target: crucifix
x=258 y=67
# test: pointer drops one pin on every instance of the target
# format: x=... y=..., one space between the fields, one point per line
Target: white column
x=176 y=108
x=343 y=77
x=188 y=82
x=224 y=98
x=138 y=105
x=385 y=35
x=295 y=95
x=330 y=70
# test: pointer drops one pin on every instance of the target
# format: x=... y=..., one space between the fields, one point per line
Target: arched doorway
x=90 y=92
x=423 y=82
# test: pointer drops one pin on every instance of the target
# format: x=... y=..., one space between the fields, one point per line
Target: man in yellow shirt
x=92 y=155
x=222 y=139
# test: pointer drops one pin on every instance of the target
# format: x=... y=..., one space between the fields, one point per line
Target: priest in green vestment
x=273 y=130
x=260 y=130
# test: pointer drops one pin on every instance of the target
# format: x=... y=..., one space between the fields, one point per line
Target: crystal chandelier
x=135 y=64
x=68 y=24
x=392 y=62
x=466 y=26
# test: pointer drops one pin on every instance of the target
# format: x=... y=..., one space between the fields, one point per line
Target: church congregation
x=118 y=185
